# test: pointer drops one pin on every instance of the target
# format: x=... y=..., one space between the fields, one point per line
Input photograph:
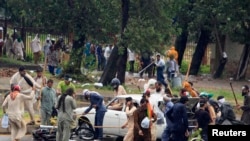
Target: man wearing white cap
x=96 y=101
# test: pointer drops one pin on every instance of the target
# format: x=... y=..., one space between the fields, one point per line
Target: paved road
x=30 y=138
x=7 y=138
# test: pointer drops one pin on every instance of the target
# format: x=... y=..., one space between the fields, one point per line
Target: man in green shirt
x=63 y=85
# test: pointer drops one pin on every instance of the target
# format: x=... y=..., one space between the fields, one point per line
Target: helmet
x=115 y=82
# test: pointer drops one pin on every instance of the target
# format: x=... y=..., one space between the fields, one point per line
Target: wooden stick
x=187 y=74
x=234 y=94
x=107 y=126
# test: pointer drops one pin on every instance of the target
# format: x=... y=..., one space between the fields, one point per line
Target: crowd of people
x=37 y=93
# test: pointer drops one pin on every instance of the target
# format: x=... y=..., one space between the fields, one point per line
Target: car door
x=112 y=119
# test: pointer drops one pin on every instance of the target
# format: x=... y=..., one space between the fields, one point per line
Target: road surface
x=30 y=138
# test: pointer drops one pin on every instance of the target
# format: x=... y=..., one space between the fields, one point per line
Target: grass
x=12 y=61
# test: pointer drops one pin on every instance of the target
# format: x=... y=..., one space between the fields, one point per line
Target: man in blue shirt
x=168 y=105
x=160 y=66
x=96 y=101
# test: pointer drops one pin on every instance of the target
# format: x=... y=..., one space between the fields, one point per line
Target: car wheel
x=85 y=133
x=119 y=139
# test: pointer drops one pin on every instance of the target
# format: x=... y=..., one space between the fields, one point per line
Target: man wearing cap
x=28 y=85
x=227 y=113
x=160 y=66
x=96 y=101
x=167 y=131
x=246 y=105
x=62 y=86
x=203 y=119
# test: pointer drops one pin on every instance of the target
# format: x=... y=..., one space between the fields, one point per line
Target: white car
x=115 y=117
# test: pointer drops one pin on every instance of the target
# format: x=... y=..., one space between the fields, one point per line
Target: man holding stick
x=246 y=105
x=96 y=101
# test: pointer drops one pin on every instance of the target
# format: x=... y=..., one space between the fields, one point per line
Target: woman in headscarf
x=15 y=110
x=65 y=105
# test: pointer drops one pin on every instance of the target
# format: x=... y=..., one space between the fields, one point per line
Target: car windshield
x=117 y=103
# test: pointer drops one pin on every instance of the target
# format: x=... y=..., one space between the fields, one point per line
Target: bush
x=184 y=67
x=204 y=69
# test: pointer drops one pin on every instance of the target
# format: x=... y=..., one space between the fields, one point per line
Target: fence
x=43 y=36
x=190 y=49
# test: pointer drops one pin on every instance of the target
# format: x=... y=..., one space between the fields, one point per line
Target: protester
x=63 y=85
x=209 y=107
x=96 y=101
x=46 y=47
x=52 y=59
x=130 y=108
x=18 y=47
x=143 y=122
x=189 y=88
x=172 y=68
x=27 y=84
x=131 y=60
x=150 y=85
x=145 y=61
x=65 y=105
x=227 y=113
x=179 y=118
x=107 y=53
x=245 y=117
x=36 y=48
x=48 y=100
x=167 y=131
x=203 y=119
x=13 y=106
x=160 y=66
x=8 y=45
x=42 y=81
x=118 y=88
x=172 y=52
x=154 y=101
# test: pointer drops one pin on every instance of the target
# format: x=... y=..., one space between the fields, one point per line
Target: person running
x=27 y=84
x=13 y=106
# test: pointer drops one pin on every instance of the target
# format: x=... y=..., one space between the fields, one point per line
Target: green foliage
x=184 y=67
x=204 y=69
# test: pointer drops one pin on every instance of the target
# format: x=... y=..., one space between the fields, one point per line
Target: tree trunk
x=118 y=59
x=74 y=65
x=181 y=43
x=199 y=51
x=110 y=70
x=122 y=60
x=243 y=63
x=220 y=64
